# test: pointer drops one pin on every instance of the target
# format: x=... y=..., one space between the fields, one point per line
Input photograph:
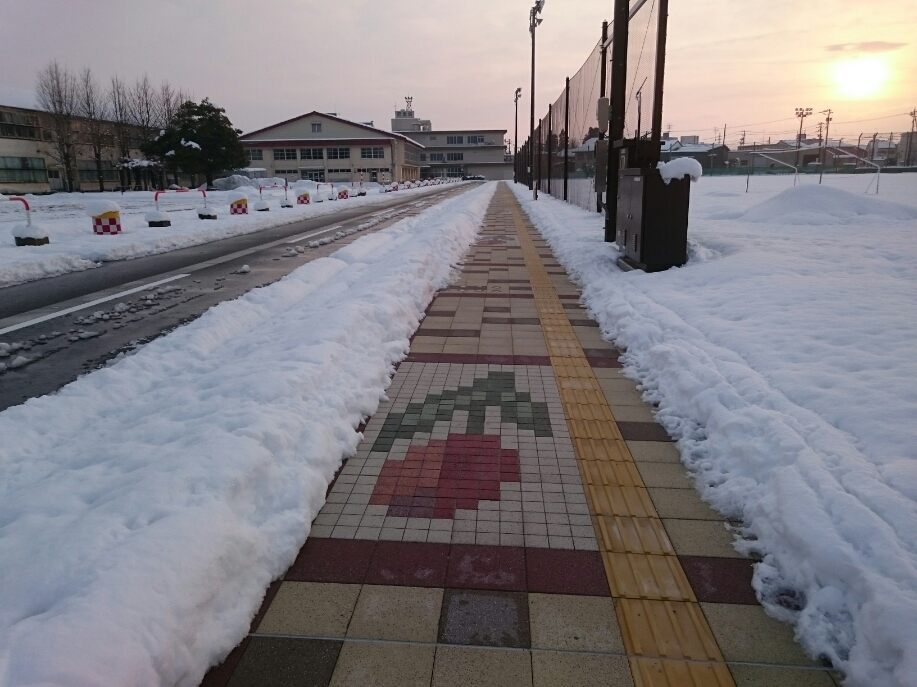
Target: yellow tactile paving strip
x=666 y=635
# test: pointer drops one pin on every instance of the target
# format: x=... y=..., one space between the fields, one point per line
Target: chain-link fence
x=561 y=157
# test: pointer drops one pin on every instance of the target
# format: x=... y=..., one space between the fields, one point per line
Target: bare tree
x=119 y=111
x=143 y=116
x=56 y=91
x=94 y=109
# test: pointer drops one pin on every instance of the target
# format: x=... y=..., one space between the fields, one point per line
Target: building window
x=423 y=157
x=253 y=154
x=432 y=138
x=87 y=170
x=313 y=174
x=15 y=125
x=455 y=171
x=475 y=139
x=284 y=153
x=338 y=153
x=316 y=127
x=372 y=153
x=437 y=157
x=339 y=171
x=287 y=171
x=23 y=170
x=454 y=140
x=455 y=157
x=311 y=154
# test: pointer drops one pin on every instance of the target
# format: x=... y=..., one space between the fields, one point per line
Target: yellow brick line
x=666 y=635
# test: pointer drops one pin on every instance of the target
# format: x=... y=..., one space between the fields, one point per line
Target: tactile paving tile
x=657 y=610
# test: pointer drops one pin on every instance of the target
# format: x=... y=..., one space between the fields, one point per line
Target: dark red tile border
x=612 y=353
x=720 y=580
x=449 y=333
x=409 y=564
x=479 y=294
x=332 y=560
x=497 y=308
x=478 y=359
x=486 y=567
x=556 y=571
x=440 y=313
x=643 y=431
x=569 y=296
x=604 y=363
x=510 y=320
x=507 y=281
x=584 y=323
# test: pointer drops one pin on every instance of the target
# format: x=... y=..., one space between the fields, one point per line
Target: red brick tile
x=380 y=499
x=332 y=560
x=486 y=567
x=555 y=571
x=409 y=563
x=720 y=580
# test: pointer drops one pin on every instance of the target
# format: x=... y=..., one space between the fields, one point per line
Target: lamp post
x=516 y=137
x=802 y=113
x=534 y=21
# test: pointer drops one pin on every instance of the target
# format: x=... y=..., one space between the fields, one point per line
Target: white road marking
x=75 y=308
x=314 y=233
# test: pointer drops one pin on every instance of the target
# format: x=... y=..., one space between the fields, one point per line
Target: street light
x=516 y=137
x=802 y=113
x=534 y=21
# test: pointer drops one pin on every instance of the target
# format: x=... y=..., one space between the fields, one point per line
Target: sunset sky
x=744 y=64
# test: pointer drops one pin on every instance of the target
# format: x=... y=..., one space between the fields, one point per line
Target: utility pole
x=534 y=21
x=802 y=113
x=618 y=96
x=857 y=165
x=516 y=137
x=821 y=167
x=910 y=139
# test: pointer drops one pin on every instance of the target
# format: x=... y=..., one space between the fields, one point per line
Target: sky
x=743 y=65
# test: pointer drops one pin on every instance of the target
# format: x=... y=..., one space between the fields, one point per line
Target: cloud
x=866 y=47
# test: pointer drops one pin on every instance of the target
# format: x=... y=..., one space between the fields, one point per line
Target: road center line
x=314 y=233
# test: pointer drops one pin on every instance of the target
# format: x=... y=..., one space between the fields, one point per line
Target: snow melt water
x=783 y=358
x=145 y=507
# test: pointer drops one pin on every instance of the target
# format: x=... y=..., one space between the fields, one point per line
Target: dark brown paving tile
x=441 y=313
x=511 y=320
x=413 y=564
x=282 y=662
x=612 y=353
x=643 y=431
x=555 y=571
x=332 y=560
x=604 y=362
x=493 y=308
x=218 y=676
x=485 y=294
x=486 y=567
x=478 y=359
x=583 y=323
x=452 y=333
x=485 y=618
x=720 y=580
x=507 y=281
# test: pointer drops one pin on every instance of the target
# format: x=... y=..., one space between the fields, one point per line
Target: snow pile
x=236 y=196
x=235 y=181
x=679 y=168
x=94 y=208
x=784 y=362
x=30 y=231
x=155 y=216
x=146 y=506
x=819 y=205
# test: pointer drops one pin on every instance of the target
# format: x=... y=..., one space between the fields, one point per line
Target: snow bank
x=237 y=180
x=155 y=216
x=679 y=168
x=784 y=362
x=94 y=208
x=145 y=507
x=30 y=231
x=809 y=204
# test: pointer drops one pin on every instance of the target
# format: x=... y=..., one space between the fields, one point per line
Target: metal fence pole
x=550 y=162
x=618 y=97
x=566 y=134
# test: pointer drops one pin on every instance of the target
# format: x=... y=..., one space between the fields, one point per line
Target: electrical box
x=652 y=220
x=603 y=113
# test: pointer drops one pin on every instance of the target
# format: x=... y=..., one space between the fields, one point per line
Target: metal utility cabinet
x=652 y=220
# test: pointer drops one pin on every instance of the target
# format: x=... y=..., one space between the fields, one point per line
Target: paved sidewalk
x=514 y=516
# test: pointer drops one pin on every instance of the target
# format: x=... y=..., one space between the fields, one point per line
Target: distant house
x=838 y=154
x=710 y=155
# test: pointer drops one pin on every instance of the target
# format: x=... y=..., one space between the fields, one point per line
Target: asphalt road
x=70 y=325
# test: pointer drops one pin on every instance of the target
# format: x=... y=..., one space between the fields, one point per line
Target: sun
x=862 y=77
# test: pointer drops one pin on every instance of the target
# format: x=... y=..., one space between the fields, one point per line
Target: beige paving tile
x=467 y=667
x=668 y=475
x=640 y=413
x=700 y=538
x=684 y=504
x=766 y=676
x=310 y=608
x=550 y=669
x=654 y=452
x=361 y=664
x=578 y=623
x=399 y=613
x=747 y=633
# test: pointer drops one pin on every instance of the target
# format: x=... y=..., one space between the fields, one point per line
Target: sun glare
x=862 y=77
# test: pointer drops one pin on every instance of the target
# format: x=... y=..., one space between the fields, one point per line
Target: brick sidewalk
x=514 y=516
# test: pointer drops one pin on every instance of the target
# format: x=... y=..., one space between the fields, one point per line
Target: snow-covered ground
x=145 y=507
x=74 y=247
x=784 y=357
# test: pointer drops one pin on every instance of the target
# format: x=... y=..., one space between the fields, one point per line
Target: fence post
x=566 y=134
x=603 y=93
x=550 y=156
x=538 y=155
x=618 y=105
